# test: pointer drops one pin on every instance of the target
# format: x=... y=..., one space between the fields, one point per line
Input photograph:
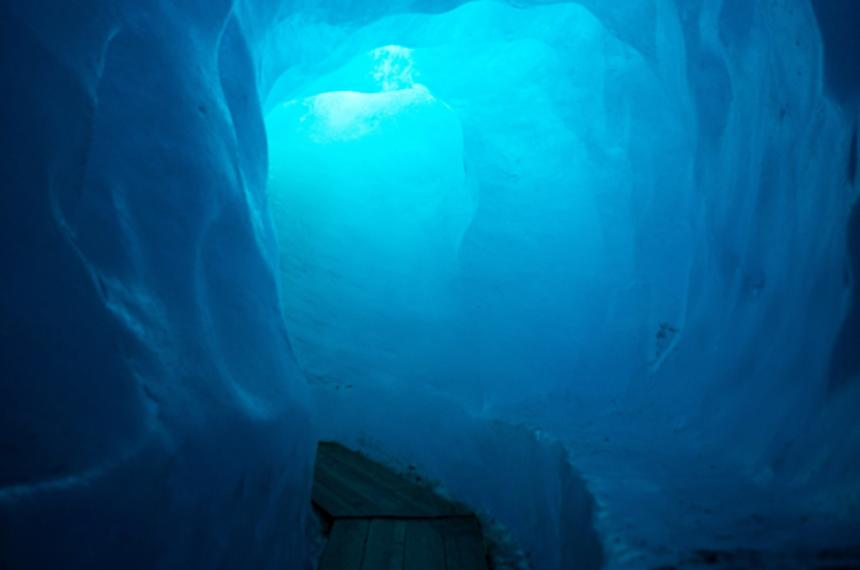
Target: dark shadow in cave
x=839 y=21
x=845 y=363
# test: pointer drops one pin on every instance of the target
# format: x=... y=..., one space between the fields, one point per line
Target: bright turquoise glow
x=369 y=196
x=548 y=214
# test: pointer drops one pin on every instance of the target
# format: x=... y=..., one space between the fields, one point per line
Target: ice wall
x=152 y=413
x=654 y=271
x=654 y=211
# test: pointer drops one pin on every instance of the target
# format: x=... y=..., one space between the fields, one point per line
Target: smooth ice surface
x=592 y=265
x=371 y=204
x=152 y=413
x=653 y=271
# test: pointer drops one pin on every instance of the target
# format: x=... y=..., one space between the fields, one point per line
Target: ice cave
x=585 y=273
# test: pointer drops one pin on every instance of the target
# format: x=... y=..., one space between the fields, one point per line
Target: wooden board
x=345 y=548
x=383 y=521
x=464 y=544
x=405 y=544
x=386 y=545
x=349 y=485
x=425 y=546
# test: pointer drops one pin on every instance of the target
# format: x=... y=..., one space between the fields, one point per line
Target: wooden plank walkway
x=380 y=520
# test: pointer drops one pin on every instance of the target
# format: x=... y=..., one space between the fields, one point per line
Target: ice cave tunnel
x=588 y=270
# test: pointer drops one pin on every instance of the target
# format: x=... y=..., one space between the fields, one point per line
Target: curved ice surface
x=153 y=415
x=621 y=225
x=369 y=197
x=654 y=264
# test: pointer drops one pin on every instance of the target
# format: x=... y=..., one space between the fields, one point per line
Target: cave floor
x=376 y=518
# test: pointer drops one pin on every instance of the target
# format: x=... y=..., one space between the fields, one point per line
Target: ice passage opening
x=372 y=195
x=548 y=217
x=370 y=201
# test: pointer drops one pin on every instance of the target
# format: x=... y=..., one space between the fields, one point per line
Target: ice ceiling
x=591 y=265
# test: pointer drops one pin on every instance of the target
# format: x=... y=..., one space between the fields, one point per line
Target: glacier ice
x=153 y=414
x=371 y=202
x=592 y=265
x=655 y=223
